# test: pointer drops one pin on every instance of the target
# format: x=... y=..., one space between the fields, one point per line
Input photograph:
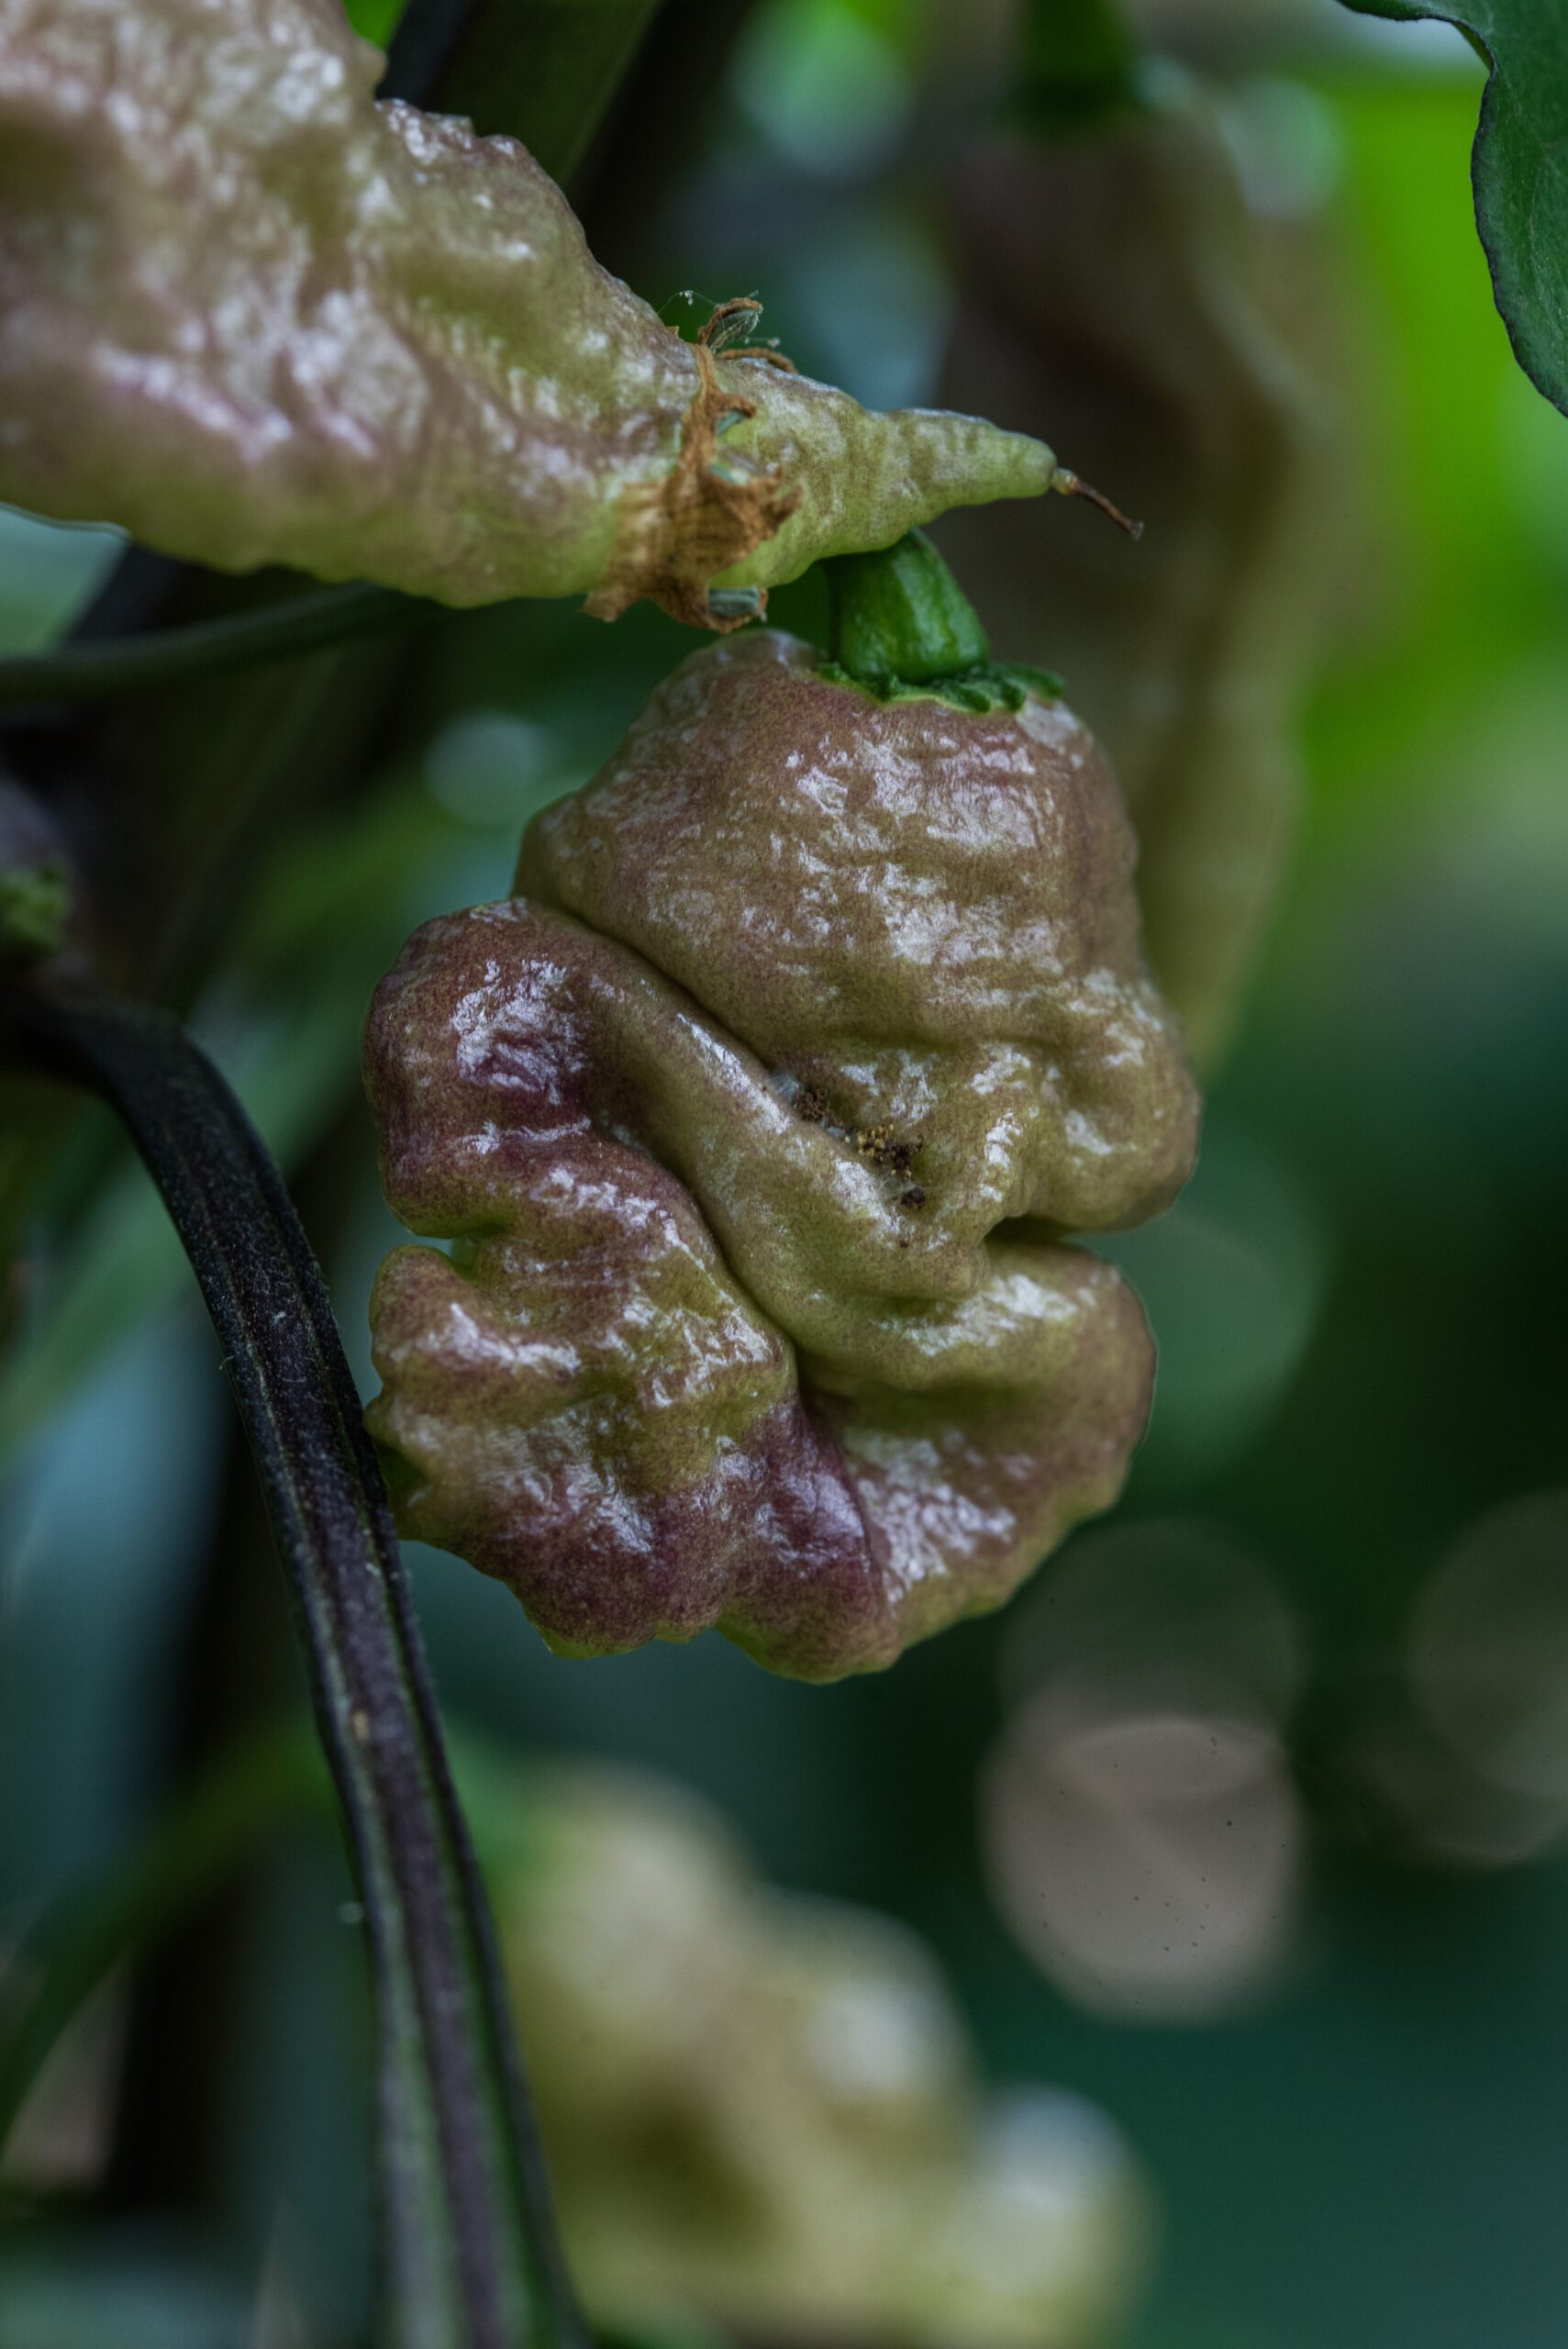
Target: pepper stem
x=899 y=613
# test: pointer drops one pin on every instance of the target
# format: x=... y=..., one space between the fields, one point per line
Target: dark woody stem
x=470 y=2254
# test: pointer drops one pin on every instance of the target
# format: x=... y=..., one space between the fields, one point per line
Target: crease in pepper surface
x=703 y=1362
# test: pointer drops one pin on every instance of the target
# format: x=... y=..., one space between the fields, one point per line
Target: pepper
x=1112 y=276
x=757 y=1116
x=253 y=317
x=813 y=2091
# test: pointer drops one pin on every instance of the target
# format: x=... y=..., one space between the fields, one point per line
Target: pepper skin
x=758 y=1116
x=253 y=317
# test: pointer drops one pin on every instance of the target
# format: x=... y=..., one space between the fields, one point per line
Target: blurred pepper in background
x=764 y=2109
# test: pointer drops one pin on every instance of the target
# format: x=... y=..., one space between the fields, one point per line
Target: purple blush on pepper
x=758 y=1117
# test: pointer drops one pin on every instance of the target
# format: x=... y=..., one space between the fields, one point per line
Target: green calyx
x=996 y=684
x=901 y=629
x=900 y=612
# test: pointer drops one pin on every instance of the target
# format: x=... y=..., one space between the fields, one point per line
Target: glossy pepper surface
x=254 y=316
x=758 y=1116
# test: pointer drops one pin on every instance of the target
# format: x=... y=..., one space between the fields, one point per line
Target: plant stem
x=470 y=2256
x=96 y=667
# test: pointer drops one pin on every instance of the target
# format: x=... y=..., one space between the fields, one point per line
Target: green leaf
x=1519 y=168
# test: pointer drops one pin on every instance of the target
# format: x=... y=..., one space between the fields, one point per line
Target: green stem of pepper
x=902 y=630
x=900 y=614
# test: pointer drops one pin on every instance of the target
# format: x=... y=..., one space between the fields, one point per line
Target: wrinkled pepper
x=757 y=1116
x=1112 y=277
x=253 y=317
x=842 y=2172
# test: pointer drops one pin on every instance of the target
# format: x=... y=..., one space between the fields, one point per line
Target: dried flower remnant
x=885 y=1148
x=678 y=532
x=252 y=317
x=703 y=1363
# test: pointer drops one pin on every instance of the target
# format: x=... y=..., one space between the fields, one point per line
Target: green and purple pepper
x=758 y=1116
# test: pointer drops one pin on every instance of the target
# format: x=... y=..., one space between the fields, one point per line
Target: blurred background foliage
x=1245 y=1825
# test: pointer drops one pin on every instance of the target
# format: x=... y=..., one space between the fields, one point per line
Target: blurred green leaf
x=1520 y=168
x=48 y=572
x=76 y=2290
x=545 y=72
x=1440 y=587
x=265 y=1779
x=268 y=1779
x=1078 y=64
x=374 y=20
